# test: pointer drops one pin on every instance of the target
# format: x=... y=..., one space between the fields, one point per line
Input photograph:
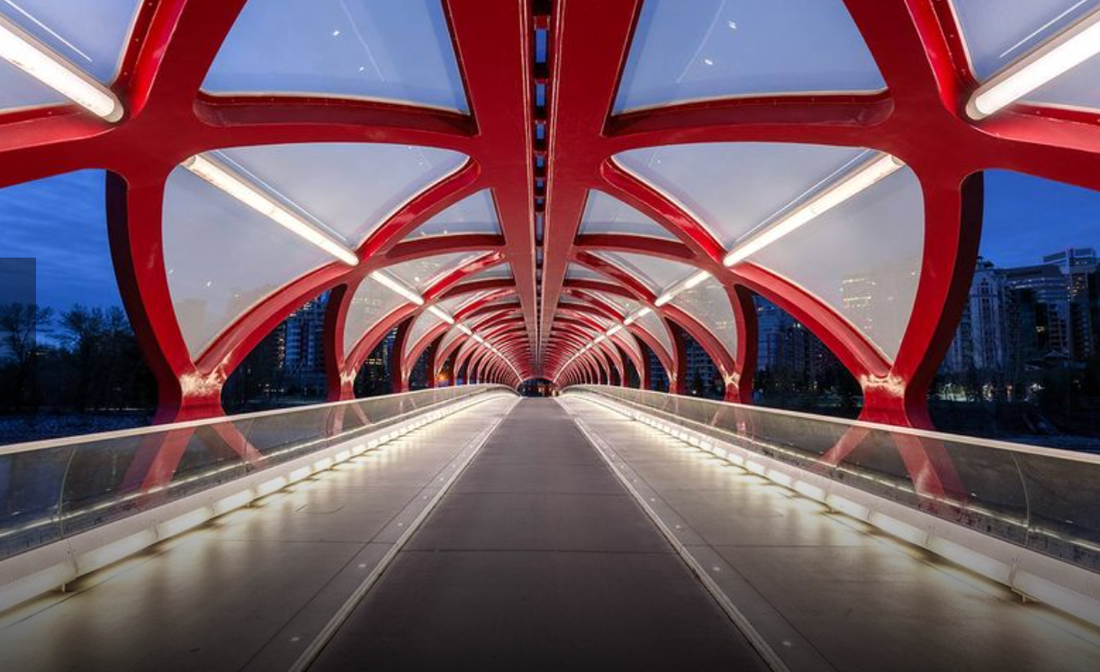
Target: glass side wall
x=1012 y=492
x=50 y=492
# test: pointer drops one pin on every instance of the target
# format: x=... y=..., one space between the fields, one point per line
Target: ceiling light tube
x=464 y=329
x=695 y=280
x=663 y=299
x=860 y=179
x=239 y=188
x=441 y=314
x=396 y=285
x=1071 y=47
x=614 y=330
x=39 y=61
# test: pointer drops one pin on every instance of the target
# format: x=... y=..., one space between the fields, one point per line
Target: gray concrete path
x=538 y=559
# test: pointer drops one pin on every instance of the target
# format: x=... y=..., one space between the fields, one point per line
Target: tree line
x=84 y=359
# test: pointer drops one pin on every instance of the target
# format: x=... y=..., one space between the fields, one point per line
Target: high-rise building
x=1079 y=267
x=304 y=350
x=981 y=340
x=1050 y=290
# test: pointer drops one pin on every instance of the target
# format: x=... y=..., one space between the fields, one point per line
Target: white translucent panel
x=624 y=305
x=733 y=187
x=394 y=50
x=578 y=272
x=710 y=305
x=653 y=323
x=607 y=214
x=450 y=337
x=995 y=38
x=457 y=303
x=372 y=302
x=420 y=274
x=424 y=322
x=863 y=258
x=1076 y=88
x=223 y=257
x=91 y=35
x=626 y=340
x=565 y=298
x=498 y=272
x=473 y=214
x=721 y=48
x=658 y=274
x=350 y=188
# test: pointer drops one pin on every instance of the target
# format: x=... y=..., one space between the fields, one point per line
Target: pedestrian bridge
x=606 y=528
x=584 y=197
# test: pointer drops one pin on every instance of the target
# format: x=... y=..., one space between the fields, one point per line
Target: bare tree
x=19 y=324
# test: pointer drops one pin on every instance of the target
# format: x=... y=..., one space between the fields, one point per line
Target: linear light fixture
x=863 y=177
x=396 y=285
x=441 y=314
x=637 y=316
x=39 y=61
x=1065 y=51
x=691 y=283
x=240 y=188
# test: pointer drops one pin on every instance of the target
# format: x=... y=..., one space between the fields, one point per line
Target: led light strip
x=860 y=179
x=691 y=283
x=42 y=63
x=392 y=283
x=240 y=188
x=1065 y=51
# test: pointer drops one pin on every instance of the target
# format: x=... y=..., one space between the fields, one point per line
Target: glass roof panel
x=90 y=35
x=655 y=325
x=424 y=322
x=996 y=38
x=498 y=272
x=373 y=49
x=863 y=258
x=723 y=48
x=624 y=305
x=607 y=214
x=578 y=272
x=457 y=303
x=218 y=255
x=659 y=274
x=372 y=301
x=731 y=188
x=350 y=188
x=448 y=338
x=420 y=274
x=710 y=305
x=473 y=214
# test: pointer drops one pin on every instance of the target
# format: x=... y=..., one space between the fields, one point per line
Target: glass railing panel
x=1019 y=494
x=30 y=491
x=51 y=490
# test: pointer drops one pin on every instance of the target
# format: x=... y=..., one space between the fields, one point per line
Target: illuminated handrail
x=1042 y=499
x=52 y=490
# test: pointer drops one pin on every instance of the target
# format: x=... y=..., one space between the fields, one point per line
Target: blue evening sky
x=61 y=222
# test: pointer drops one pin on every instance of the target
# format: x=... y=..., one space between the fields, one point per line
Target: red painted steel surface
x=914 y=43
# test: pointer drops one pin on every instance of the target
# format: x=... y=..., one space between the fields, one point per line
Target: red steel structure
x=541 y=181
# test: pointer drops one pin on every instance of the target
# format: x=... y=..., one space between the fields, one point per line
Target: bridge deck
x=538 y=557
